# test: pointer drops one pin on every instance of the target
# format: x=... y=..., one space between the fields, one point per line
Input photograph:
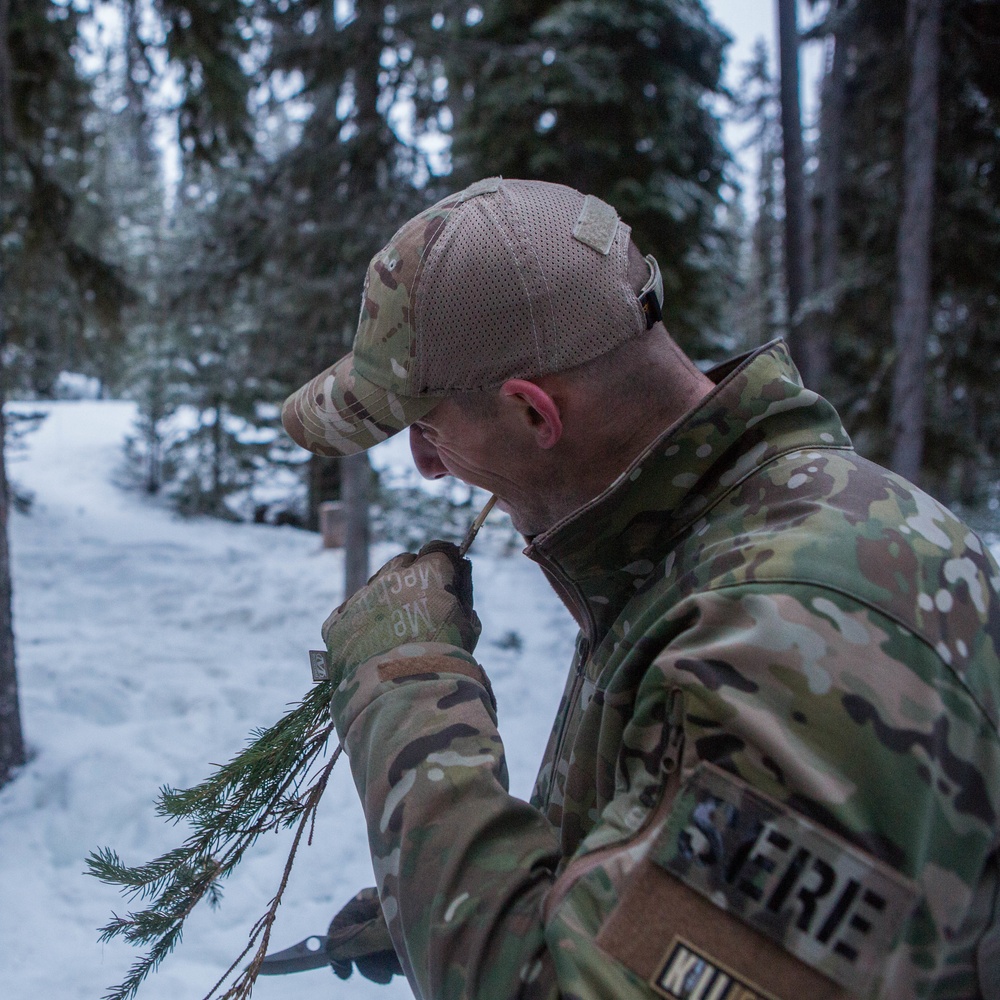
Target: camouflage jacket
x=776 y=766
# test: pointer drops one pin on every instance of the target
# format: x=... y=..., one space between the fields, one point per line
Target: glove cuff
x=388 y=670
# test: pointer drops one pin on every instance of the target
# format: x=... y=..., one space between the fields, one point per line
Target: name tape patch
x=831 y=905
x=690 y=974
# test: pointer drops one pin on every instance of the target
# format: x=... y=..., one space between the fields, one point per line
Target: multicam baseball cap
x=506 y=279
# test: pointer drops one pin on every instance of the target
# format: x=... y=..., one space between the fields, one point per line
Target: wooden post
x=356 y=479
x=332 y=524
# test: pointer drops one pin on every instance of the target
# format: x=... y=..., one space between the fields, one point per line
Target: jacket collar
x=600 y=555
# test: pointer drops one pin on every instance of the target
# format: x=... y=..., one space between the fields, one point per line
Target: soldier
x=774 y=771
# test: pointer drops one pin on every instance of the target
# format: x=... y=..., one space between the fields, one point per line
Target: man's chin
x=524 y=523
x=514 y=515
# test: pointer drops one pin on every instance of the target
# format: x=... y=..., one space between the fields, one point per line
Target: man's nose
x=425 y=455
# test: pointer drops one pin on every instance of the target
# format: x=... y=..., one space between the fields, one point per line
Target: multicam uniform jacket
x=776 y=766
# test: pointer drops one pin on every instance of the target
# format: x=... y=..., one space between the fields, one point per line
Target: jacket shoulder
x=833 y=520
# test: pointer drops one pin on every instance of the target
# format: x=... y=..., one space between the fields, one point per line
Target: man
x=775 y=768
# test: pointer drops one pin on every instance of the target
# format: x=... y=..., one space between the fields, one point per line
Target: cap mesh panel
x=508 y=292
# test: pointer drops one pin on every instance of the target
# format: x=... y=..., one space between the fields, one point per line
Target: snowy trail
x=148 y=648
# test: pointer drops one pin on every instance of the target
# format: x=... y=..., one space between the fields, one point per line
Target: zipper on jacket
x=579 y=867
x=574 y=697
x=670 y=767
x=570 y=594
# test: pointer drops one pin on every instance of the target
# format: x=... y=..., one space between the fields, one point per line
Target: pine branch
x=272 y=784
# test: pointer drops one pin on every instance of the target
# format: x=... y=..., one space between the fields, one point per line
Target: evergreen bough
x=275 y=783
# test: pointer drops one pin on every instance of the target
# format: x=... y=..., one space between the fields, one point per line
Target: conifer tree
x=11 y=735
x=961 y=377
x=762 y=307
x=828 y=182
x=52 y=276
x=912 y=305
x=326 y=202
x=613 y=98
x=59 y=288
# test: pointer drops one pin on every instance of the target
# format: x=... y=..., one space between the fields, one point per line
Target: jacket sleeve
x=864 y=734
x=461 y=865
x=468 y=875
x=772 y=688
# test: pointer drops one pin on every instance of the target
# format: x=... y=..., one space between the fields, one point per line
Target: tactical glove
x=412 y=599
x=358 y=935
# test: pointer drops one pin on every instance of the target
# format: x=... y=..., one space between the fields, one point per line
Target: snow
x=148 y=649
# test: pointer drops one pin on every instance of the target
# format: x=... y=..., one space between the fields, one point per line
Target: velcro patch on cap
x=833 y=906
x=596 y=225
x=488 y=185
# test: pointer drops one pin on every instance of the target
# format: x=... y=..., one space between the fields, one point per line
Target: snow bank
x=148 y=648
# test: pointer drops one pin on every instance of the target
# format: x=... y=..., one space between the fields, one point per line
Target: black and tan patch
x=740 y=893
x=689 y=973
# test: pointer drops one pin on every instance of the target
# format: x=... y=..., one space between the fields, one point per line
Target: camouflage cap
x=505 y=279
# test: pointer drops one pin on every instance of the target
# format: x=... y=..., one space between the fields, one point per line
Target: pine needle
x=276 y=782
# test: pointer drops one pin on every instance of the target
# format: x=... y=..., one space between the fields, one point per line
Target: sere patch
x=833 y=906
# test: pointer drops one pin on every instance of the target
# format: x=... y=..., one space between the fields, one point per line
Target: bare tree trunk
x=356 y=478
x=798 y=257
x=831 y=145
x=369 y=173
x=11 y=735
x=911 y=309
x=216 y=459
x=6 y=105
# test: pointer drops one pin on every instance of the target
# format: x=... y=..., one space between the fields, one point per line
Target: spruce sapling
x=275 y=783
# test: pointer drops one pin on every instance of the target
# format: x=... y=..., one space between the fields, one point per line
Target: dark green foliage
x=963 y=428
x=274 y=784
x=210 y=366
x=614 y=98
x=325 y=205
x=760 y=312
x=279 y=257
x=62 y=296
x=295 y=230
x=65 y=287
x=207 y=42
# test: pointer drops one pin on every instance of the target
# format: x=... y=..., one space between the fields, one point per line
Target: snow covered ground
x=148 y=648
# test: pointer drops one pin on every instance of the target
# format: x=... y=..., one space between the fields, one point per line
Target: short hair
x=619 y=373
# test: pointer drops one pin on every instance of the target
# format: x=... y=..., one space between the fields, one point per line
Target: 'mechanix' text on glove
x=413 y=617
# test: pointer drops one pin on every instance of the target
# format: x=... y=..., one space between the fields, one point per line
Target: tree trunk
x=356 y=479
x=369 y=173
x=216 y=459
x=831 y=144
x=6 y=105
x=798 y=258
x=11 y=735
x=911 y=308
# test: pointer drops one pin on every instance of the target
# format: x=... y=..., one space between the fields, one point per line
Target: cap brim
x=340 y=412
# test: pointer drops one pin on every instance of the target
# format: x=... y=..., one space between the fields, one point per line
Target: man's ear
x=539 y=409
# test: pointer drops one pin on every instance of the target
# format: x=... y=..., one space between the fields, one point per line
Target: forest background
x=192 y=189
